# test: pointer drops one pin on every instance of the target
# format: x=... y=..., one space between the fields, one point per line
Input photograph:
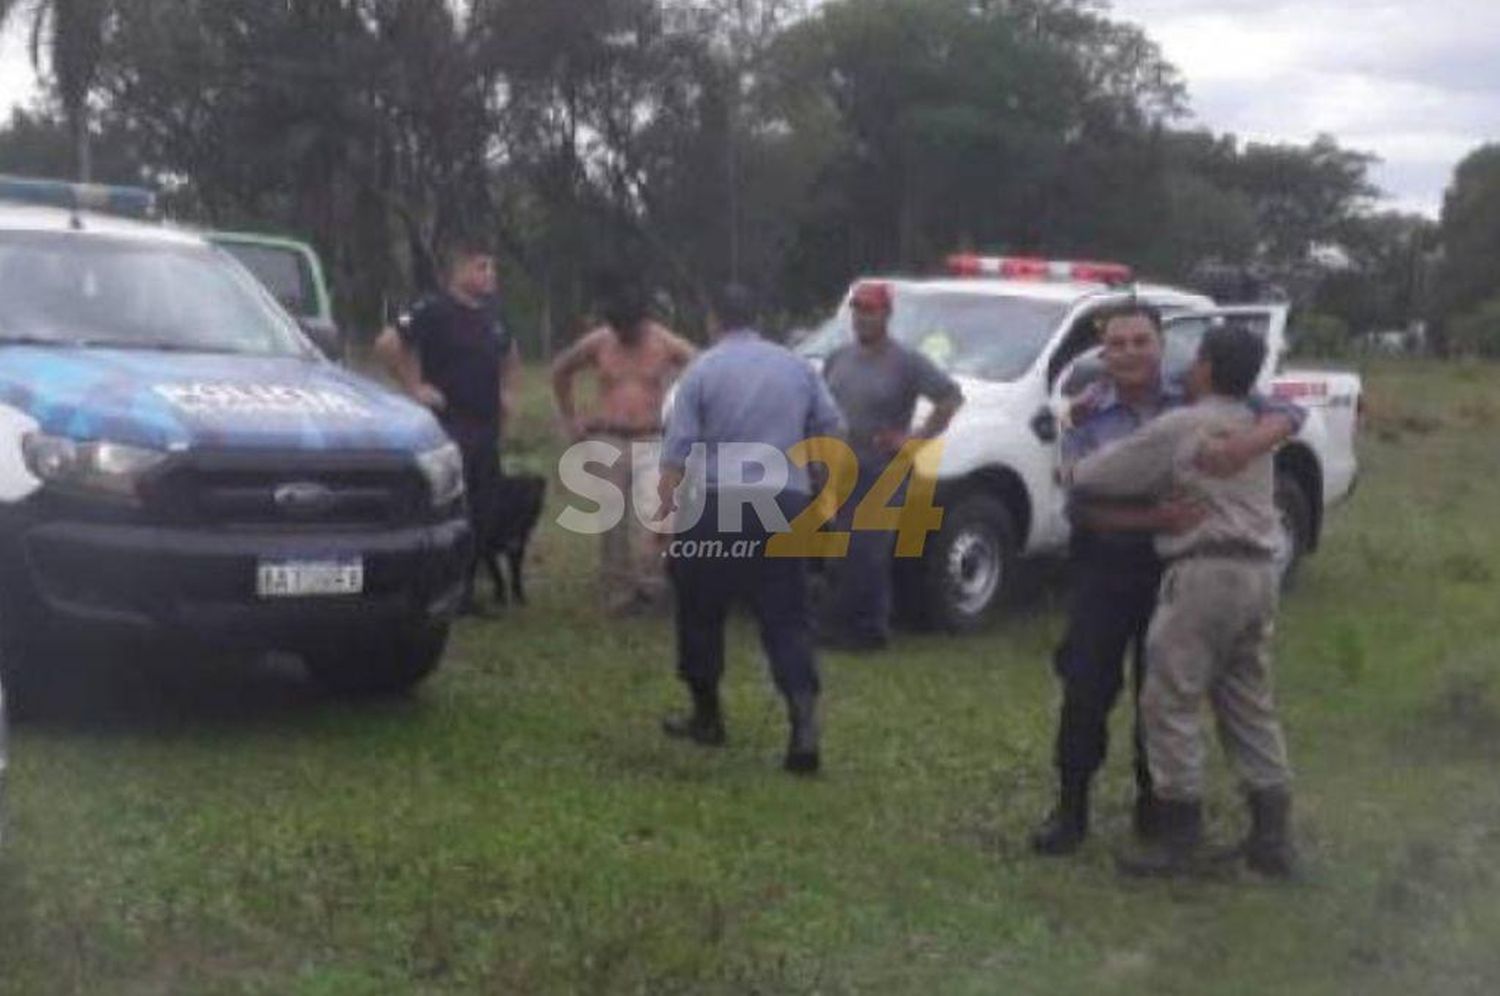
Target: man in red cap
x=876 y=382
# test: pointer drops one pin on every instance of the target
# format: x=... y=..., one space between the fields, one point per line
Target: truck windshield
x=986 y=336
x=83 y=289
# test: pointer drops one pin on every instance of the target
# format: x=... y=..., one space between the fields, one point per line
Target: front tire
x=1294 y=512
x=21 y=653
x=969 y=566
x=367 y=666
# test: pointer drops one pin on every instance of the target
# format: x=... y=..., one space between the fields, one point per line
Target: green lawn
x=520 y=826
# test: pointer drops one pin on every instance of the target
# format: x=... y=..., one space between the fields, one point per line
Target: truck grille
x=303 y=490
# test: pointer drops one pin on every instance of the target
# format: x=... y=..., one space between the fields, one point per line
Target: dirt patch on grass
x=1391 y=422
x=1461 y=720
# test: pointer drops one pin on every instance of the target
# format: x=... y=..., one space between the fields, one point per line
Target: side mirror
x=1044 y=424
x=325 y=335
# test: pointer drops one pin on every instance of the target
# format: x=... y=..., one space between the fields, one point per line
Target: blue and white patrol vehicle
x=180 y=465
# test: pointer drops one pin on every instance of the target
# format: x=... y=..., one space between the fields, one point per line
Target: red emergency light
x=1031 y=268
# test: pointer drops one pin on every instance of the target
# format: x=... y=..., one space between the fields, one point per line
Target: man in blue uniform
x=452 y=353
x=744 y=390
x=1116 y=571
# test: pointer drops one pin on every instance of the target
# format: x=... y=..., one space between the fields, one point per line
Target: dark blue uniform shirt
x=462 y=350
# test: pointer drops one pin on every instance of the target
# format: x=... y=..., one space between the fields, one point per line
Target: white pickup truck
x=1020 y=337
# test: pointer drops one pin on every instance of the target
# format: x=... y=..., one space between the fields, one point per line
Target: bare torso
x=633 y=379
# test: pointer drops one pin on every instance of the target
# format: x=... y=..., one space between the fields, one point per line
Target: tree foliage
x=1469 y=274
x=782 y=142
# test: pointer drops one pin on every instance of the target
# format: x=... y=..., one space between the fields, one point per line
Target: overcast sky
x=1415 y=81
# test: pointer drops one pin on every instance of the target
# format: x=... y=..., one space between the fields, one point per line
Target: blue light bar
x=131 y=202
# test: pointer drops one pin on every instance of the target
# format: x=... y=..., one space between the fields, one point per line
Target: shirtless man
x=634 y=360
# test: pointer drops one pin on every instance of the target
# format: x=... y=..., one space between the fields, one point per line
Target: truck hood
x=177 y=401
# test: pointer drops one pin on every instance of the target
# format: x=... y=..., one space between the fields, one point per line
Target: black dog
x=515 y=509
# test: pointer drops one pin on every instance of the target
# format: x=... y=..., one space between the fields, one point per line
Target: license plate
x=305 y=578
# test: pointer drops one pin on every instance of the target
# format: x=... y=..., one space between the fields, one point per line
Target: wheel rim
x=975 y=568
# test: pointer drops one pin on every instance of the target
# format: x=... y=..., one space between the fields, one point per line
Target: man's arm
x=684 y=425
x=405 y=366
x=824 y=417
x=684 y=428
x=574 y=360
x=1175 y=514
x=941 y=415
x=940 y=389
x=1276 y=421
x=1138 y=465
x=680 y=352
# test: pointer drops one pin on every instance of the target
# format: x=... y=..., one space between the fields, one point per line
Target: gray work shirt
x=748 y=390
x=877 y=390
x=1161 y=458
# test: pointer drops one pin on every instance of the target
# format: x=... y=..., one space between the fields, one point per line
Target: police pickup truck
x=180 y=466
x=1020 y=336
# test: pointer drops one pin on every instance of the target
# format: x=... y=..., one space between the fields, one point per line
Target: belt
x=624 y=431
x=1226 y=550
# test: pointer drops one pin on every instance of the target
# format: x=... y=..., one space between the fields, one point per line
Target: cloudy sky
x=1415 y=81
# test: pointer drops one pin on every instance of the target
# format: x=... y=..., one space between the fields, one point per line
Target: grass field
x=520 y=826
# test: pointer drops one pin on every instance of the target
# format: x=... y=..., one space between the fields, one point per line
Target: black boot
x=802 y=756
x=1146 y=818
x=1066 y=826
x=1176 y=849
x=704 y=726
x=1269 y=850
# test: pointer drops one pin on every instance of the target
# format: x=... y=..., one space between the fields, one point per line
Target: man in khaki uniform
x=1211 y=635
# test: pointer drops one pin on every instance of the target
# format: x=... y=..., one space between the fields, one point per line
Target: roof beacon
x=1029 y=268
x=130 y=202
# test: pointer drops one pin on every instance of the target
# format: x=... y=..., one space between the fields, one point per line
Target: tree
x=74 y=34
x=1386 y=283
x=1470 y=235
x=41 y=144
x=1024 y=125
x=1302 y=195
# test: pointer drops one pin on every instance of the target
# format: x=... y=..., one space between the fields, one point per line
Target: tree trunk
x=78 y=118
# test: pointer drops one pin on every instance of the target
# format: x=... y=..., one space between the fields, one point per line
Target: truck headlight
x=444 y=470
x=113 y=470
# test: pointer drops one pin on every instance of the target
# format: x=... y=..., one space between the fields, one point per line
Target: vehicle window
x=976 y=335
x=284 y=271
x=76 y=288
x=1182 y=335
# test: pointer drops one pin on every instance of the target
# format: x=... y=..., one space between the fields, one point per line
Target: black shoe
x=1177 y=849
x=1067 y=826
x=703 y=726
x=1268 y=850
x=802 y=762
x=1146 y=817
x=802 y=755
x=704 y=732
